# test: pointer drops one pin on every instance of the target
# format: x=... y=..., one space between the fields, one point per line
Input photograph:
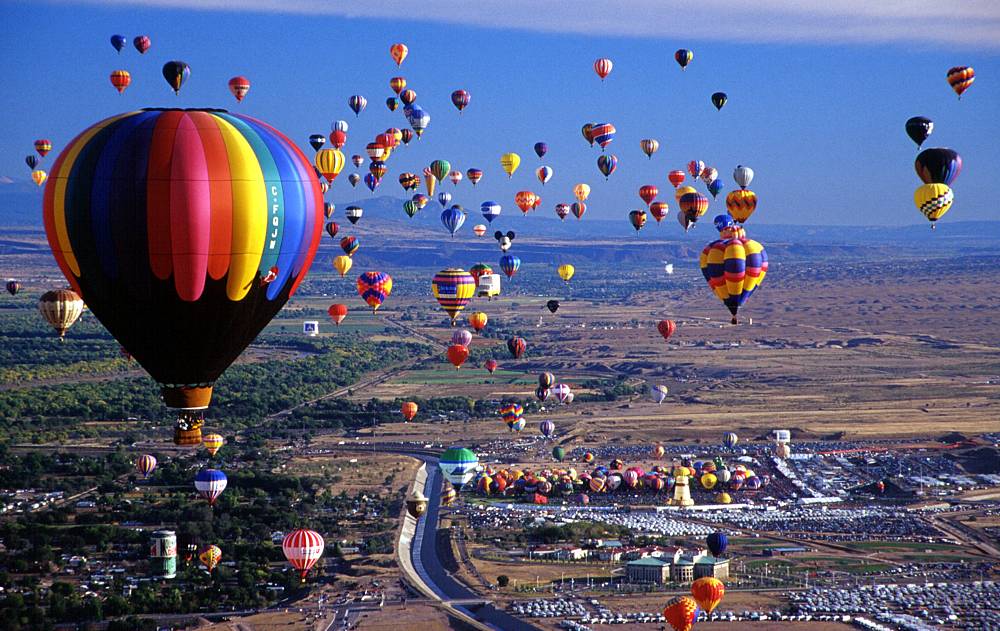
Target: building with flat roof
x=677 y=569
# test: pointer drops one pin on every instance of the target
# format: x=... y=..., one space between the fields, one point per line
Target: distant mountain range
x=21 y=202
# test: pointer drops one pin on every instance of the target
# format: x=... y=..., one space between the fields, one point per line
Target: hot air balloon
x=418 y=119
x=210 y=483
x=581 y=192
x=743 y=175
x=562 y=210
x=121 y=79
x=741 y=204
x=566 y=272
x=695 y=167
x=392 y=103
x=491 y=365
x=239 y=86
x=444 y=198
x=578 y=208
x=408 y=97
x=562 y=392
x=354 y=178
x=509 y=264
x=603 y=134
x=960 y=78
x=440 y=169
x=176 y=73
x=649 y=146
x=60 y=308
x=541 y=149
x=39 y=177
x=683 y=57
x=603 y=67
x=547 y=428
x=210 y=557
x=525 y=200
x=213 y=443
x=606 y=164
x=409 y=410
x=938 y=165
x=397 y=84
x=118 y=41
x=457 y=354
x=349 y=245
x=340 y=125
x=302 y=548
x=587 y=130
x=337 y=312
x=666 y=328
x=13 y=287
x=43 y=147
x=709 y=175
x=316 y=141
x=558 y=453
x=354 y=213
x=681 y=612
x=330 y=163
x=692 y=206
x=919 y=128
x=460 y=99
x=648 y=193
x=357 y=160
x=141 y=43
x=719 y=99
x=658 y=393
x=453 y=288
x=638 y=219
x=734 y=268
x=357 y=103
x=715 y=187
x=552 y=306
x=461 y=336
x=479 y=269
x=474 y=175
x=406 y=135
x=145 y=464
x=933 y=200
x=398 y=53
x=491 y=210
x=448 y=496
x=374 y=288
x=708 y=592
x=453 y=218
x=659 y=210
x=510 y=162
x=717 y=542
x=516 y=346
x=729 y=439
x=332 y=228
x=478 y=321
x=544 y=174
x=676 y=177
x=455 y=177
x=372 y=183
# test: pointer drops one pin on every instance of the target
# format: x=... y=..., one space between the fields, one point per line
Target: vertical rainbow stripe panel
x=195 y=224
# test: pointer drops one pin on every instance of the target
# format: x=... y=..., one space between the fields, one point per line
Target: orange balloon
x=708 y=592
x=457 y=354
x=399 y=53
x=409 y=410
x=679 y=612
x=478 y=321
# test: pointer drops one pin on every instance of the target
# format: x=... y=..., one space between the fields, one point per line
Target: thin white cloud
x=965 y=23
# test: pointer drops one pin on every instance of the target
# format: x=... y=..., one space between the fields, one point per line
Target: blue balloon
x=717 y=543
x=723 y=221
x=444 y=198
x=453 y=218
x=490 y=210
x=715 y=186
x=118 y=41
x=509 y=264
x=541 y=149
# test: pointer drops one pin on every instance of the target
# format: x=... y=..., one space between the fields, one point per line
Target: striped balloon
x=603 y=67
x=692 y=206
x=303 y=548
x=210 y=483
x=681 y=612
x=547 y=428
x=185 y=232
x=374 y=288
x=741 y=204
x=453 y=288
x=729 y=439
x=734 y=268
x=213 y=443
x=145 y=464
x=708 y=592
x=509 y=264
x=603 y=134
x=453 y=218
x=960 y=78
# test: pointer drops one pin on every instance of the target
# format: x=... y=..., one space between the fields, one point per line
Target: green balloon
x=440 y=169
x=411 y=207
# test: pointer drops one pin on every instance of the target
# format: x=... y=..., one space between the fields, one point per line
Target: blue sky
x=817 y=98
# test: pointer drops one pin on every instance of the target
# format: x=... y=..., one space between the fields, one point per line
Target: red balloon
x=490 y=365
x=337 y=313
x=338 y=139
x=666 y=328
x=648 y=193
x=457 y=354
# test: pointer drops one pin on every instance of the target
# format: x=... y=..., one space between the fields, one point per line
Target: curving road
x=429 y=567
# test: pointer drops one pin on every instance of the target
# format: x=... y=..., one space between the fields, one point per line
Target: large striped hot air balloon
x=729 y=439
x=145 y=464
x=303 y=548
x=210 y=483
x=734 y=268
x=741 y=204
x=603 y=134
x=213 y=443
x=680 y=612
x=374 y=288
x=458 y=465
x=61 y=308
x=517 y=346
x=453 y=288
x=185 y=231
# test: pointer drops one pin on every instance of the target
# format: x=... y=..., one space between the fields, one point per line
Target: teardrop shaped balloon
x=176 y=74
x=239 y=86
x=719 y=99
x=919 y=128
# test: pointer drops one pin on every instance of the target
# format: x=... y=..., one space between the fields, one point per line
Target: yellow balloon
x=342 y=264
x=582 y=192
x=566 y=272
x=682 y=191
x=330 y=163
x=708 y=481
x=430 y=182
x=39 y=176
x=723 y=498
x=933 y=200
x=510 y=162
